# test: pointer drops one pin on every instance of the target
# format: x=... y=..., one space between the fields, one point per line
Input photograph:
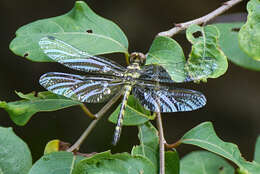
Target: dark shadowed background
x=233 y=99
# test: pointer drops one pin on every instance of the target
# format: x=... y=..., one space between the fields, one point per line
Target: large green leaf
x=21 y=111
x=149 y=143
x=205 y=137
x=81 y=28
x=15 y=156
x=249 y=35
x=135 y=114
x=206 y=58
x=228 y=41
x=56 y=163
x=257 y=150
x=106 y=163
x=168 y=53
x=172 y=162
x=199 y=162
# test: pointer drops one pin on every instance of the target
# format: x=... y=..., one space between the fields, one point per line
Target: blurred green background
x=233 y=99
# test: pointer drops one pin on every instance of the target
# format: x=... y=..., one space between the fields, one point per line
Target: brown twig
x=77 y=144
x=173 y=145
x=202 y=20
x=161 y=143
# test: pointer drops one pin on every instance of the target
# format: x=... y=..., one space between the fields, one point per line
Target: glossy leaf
x=199 y=162
x=172 y=162
x=80 y=27
x=205 y=137
x=257 y=150
x=249 y=35
x=228 y=41
x=206 y=58
x=21 y=111
x=107 y=163
x=169 y=54
x=149 y=143
x=56 y=163
x=135 y=114
x=15 y=156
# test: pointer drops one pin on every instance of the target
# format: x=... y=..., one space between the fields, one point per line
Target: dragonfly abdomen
x=119 y=124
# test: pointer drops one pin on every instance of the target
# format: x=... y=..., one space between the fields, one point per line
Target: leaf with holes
x=114 y=163
x=15 y=156
x=249 y=35
x=21 y=111
x=56 y=163
x=228 y=41
x=81 y=28
x=205 y=137
x=199 y=162
x=135 y=114
x=206 y=58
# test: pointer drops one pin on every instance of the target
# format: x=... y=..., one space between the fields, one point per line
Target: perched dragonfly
x=150 y=84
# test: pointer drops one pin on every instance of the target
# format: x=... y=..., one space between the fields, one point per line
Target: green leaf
x=71 y=28
x=15 y=156
x=206 y=58
x=106 y=163
x=135 y=114
x=257 y=150
x=168 y=53
x=56 y=163
x=149 y=143
x=21 y=111
x=249 y=35
x=172 y=162
x=205 y=137
x=228 y=41
x=199 y=162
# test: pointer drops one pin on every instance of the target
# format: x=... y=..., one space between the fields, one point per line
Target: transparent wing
x=73 y=58
x=175 y=100
x=81 y=88
x=156 y=73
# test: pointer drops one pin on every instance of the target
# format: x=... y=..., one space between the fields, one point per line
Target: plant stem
x=161 y=143
x=202 y=20
x=98 y=116
x=87 y=111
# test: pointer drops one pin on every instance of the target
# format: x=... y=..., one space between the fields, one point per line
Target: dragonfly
x=150 y=84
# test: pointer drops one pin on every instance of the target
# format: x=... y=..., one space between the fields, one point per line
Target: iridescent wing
x=161 y=99
x=155 y=73
x=180 y=71
x=81 y=88
x=73 y=58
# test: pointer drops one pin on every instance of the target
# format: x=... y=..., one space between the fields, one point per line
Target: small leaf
x=206 y=58
x=149 y=143
x=52 y=146
x=56 y=163
x=169 y=54
x=199 y=162
x=114 y=164
x=15 y=156
x=135 y=114
x=257 y=150
x=228 y=41
x=21 y=111
x=172 y=162
x=81 y=28
x=249 y=35
x=205 y=137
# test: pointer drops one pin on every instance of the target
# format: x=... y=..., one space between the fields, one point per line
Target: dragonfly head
x=137 y=57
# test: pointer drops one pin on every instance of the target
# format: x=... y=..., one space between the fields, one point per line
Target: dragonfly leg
x=119 y=124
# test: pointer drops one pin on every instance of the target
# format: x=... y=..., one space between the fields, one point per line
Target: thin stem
x=173 y=145
x=87 y=111
x=161 y=143
x=98 y=116
x=202 y=20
